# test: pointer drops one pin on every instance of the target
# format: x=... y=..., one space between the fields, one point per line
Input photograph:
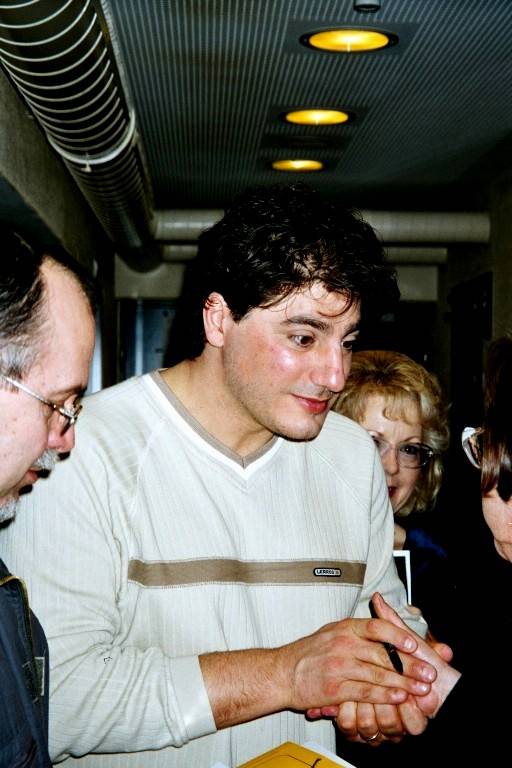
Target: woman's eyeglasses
x=411 y=455
x=472 y=443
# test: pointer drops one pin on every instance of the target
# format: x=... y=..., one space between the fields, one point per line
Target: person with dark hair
x=46 y=343
x=222 y=531
x=478 y=693
x=272 y=243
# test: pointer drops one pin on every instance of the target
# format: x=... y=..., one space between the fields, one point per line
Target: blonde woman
x=401 y=405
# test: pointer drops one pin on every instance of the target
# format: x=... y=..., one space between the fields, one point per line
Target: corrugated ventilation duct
x=59 y=56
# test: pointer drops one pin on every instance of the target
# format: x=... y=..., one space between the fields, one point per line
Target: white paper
x=406 y=555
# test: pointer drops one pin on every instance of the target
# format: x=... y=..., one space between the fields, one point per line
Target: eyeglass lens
x=474 y=446
x=411 y=455
x=69 y=414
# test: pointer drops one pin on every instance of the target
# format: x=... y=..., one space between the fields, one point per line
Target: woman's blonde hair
x=401 y=382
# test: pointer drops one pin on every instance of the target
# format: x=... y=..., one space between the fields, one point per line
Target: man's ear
x=215 y=314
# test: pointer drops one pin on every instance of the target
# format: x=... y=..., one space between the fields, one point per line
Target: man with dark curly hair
x=222 y=530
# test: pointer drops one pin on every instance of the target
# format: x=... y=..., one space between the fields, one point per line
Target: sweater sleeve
x=106 y=696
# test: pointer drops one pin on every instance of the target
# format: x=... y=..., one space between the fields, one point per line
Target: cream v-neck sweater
x=153 y=543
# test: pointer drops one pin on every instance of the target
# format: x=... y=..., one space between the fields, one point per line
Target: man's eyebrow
x=78 y=391
x=319 y=325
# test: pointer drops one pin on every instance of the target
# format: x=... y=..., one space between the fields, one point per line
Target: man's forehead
x=59 y=378
x=67 y=335
x=319 y=300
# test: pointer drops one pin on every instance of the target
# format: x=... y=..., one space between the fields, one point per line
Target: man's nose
x=59 y=440
x=332 y=369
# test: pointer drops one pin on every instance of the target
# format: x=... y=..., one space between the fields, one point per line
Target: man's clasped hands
x=377 y=702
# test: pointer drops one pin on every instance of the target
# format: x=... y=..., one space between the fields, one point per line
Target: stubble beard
x=9 y=506
x=46 y=461
x=8 y=509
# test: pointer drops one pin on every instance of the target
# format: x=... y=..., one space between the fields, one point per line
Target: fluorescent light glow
x=317 y=117
x=349 y=40
x=297 y=165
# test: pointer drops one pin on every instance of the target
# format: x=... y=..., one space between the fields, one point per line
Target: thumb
x=385 y=611
x=424 y=651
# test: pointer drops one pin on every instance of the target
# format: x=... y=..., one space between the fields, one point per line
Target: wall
x=501 y=255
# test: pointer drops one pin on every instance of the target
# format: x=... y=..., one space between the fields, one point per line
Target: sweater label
x=327 y=571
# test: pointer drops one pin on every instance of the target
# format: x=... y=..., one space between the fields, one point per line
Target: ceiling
x=209 y=78
x=198 y=87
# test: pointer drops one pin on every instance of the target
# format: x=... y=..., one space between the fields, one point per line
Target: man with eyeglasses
x=46 y=344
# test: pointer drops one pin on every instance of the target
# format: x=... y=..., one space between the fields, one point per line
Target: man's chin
x=295 y=434
x=8 y=507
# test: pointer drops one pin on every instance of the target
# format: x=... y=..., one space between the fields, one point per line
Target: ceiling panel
x=208 y=77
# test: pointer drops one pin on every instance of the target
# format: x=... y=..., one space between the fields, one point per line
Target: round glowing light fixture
x=297 y=165
x=349 y=40
x=317 y=117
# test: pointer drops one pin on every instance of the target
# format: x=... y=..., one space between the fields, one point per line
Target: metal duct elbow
x=430 y=226
x=58 y=55
x=182 y=225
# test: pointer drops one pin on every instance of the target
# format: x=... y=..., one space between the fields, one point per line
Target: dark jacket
x=23 y=679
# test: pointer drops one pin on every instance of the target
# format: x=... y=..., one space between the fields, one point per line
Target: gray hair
x=22 y=308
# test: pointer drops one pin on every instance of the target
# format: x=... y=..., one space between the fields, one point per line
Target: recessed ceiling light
x=297 y=165
x=367 y=6
x=317 y=117
x=349 y=40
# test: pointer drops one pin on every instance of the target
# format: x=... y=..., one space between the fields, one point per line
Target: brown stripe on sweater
x=219 y=570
